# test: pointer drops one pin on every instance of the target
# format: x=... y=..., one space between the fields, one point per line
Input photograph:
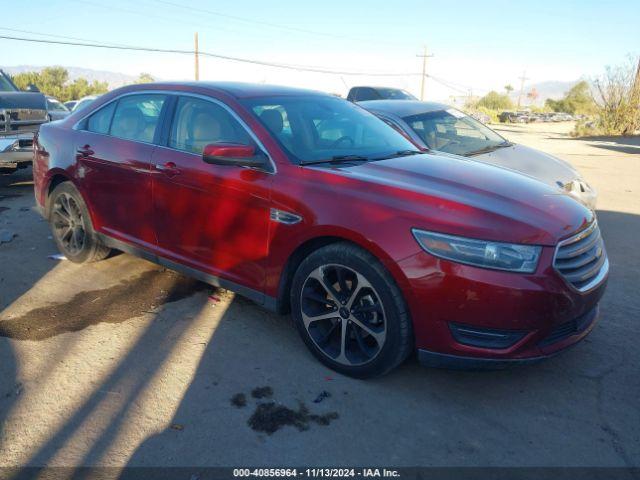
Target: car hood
x=461 y=196
x=532 y=162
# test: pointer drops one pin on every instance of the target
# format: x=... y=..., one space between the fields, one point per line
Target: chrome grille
x=22 y=120
x=582 y=259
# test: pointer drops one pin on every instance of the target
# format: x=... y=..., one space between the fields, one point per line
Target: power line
x=259 y=22
x=43 y=34
x=450 y=85
x=461 y=88
x=302 y=68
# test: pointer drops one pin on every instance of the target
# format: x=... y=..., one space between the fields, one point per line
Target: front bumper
x=16 y=151
x=563 y=337
x=547 y=314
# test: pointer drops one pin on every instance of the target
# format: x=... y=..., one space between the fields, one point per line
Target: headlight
x=575 y=186
x=499 y=256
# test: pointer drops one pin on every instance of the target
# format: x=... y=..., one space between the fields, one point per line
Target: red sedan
x=307 y=203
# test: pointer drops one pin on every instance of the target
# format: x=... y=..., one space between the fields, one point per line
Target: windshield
x=394 y=94
x=55 y=105
x=316 y=128
x=452 y=131
x=5 y=85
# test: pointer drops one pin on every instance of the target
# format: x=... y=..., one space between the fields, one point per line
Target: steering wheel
x=343 y=140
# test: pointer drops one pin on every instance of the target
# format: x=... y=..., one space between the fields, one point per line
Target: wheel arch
x=319 y=240
x=55 y=178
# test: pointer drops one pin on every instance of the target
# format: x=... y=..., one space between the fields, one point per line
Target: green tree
x=81 y=87
x=144 y=78
x=619 y=99
x=576 y=100
x=54 y=81
x=508 y=88
x=495 y=101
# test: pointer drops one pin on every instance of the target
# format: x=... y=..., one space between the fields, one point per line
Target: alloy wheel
x=68 y=224
x=343 y=314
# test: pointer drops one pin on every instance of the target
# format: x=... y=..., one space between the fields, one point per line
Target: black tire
x=67 y=212
x=378 y=314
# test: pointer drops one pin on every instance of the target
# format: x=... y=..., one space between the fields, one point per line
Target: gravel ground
x=125 y=363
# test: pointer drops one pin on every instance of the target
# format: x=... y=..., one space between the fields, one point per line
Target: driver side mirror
x=233 y=154
x=32 y=88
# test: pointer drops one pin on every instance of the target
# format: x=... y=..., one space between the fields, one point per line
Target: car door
x=213 y=218
x=114 y=147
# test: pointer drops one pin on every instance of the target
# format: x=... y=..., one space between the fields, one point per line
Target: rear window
x=136 y=117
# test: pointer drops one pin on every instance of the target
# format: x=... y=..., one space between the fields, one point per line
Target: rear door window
x=136 y=117
x=100 y=121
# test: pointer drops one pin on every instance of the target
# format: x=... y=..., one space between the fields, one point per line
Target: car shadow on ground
x=622 y=144
x=16 y=192
x=632 y=150
x=116 y=396
x=16 y=202
x=462 y=417
x=257 y=397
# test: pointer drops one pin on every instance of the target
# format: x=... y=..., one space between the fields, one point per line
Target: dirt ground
x=123 y=363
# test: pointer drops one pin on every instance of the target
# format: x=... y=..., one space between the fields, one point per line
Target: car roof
x=403 y=108
x=235 y=89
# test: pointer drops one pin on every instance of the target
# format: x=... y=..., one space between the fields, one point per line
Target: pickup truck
x=21 y=114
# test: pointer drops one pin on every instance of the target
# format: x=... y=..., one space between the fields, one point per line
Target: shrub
x=495 y=101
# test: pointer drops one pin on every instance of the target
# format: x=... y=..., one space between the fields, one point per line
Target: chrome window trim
x=604 y=270
x=179 y=93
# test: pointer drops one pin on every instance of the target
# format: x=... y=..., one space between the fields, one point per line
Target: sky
x=477 y=45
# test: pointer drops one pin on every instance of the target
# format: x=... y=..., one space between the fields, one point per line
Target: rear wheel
x=71 y=226
x=349 y=311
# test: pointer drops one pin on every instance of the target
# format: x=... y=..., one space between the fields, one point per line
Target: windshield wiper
x=338 y=159
x=488 y=149
x=400 y=153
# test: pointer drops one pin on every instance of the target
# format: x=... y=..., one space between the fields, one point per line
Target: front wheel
x=350 y=312
x=71 y=226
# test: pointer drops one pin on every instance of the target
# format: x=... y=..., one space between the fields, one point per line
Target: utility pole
x=636 y=83
x=197 y=59
x=522 y=80
x=424 y=57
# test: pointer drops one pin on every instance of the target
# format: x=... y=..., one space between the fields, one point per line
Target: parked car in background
x=56 y=110
x=21 y=114
x=360 y=94
x=84 y=102
x=436 y=126
x=481 y=117
x=308 y=203
x=507 y=116
x=70 y=104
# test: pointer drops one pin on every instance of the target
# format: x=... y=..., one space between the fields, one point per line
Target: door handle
x=85 y=151
x=168 y=168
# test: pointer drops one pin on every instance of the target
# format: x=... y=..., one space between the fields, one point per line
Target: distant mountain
x=114 y=79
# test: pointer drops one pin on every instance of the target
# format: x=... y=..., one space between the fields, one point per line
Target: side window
x=198 y=122
x=100 y=121
x=136 y=117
